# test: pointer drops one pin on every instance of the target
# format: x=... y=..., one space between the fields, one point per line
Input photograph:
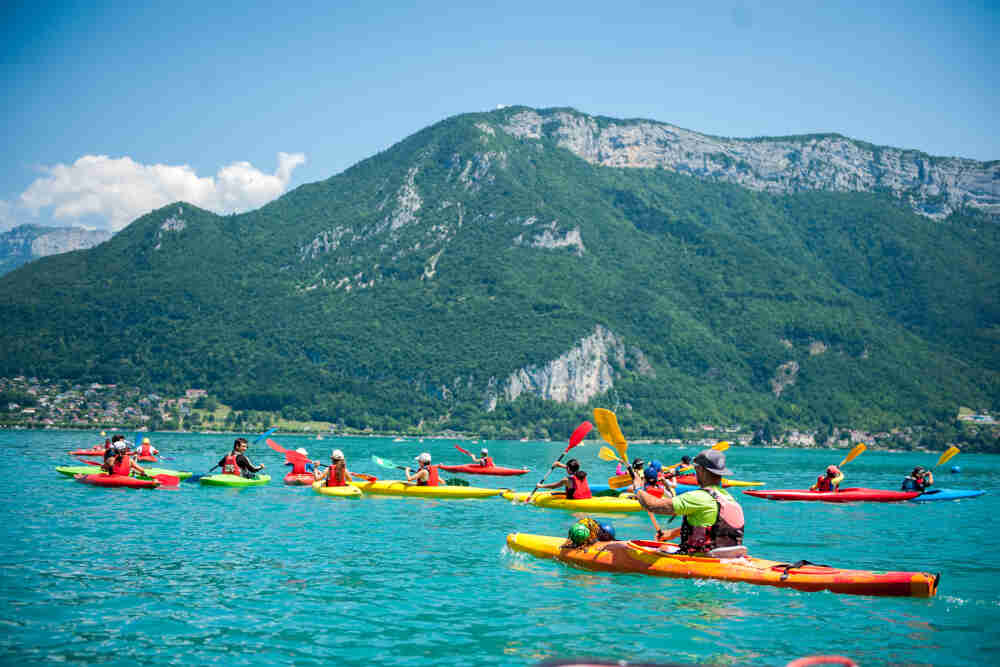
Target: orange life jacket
x=122 y=467
x=336 y=476
x=432 y=477
x=581 y=489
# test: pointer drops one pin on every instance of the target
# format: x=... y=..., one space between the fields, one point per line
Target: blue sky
x=112 y=108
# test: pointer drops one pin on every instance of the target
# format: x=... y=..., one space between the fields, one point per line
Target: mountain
x=508 y=269
x=29 y=242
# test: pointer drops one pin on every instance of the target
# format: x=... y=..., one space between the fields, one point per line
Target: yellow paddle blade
x=948 y=453
x=607 y=425
x=854 y=453
x=620 y=481
x=607 y=454
x=721 y=446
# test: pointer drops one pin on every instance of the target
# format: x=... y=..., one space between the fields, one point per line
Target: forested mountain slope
x=471 y=276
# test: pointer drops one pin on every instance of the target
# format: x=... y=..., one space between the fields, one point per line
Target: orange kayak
x=661 y=559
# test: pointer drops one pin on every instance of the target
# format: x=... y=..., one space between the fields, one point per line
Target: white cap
x=484 y=451
x=337 y=455
x=424 y=458
x=302 y=451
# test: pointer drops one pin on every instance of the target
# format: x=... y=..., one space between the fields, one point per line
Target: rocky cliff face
x=933 y=186
x=586 y=370
x=27 y=242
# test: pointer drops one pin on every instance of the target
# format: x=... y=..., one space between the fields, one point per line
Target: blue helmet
x=607 y=532
x=652 y=471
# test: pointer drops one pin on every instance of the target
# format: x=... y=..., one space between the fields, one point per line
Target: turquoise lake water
x=279 y=574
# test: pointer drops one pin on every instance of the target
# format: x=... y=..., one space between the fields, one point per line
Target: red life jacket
x=298 y=467
x=727 y=531
x=336 y=476
x=824 y=483
x=122 y=467
x=230 y=466
x=146 y=449
x=654 y=490
x=432 y=477
x=487 y=462
x=581 y=489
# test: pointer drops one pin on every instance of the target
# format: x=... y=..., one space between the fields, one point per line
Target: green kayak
x=69 y=471
x=234 y=480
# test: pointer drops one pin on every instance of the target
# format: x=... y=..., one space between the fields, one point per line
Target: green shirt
x=698 y=506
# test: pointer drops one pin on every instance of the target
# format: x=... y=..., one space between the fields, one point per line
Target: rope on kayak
x=796 y=565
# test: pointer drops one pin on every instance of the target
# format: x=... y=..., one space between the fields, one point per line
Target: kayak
x=87 y=452
x=148 y=459
x=661 y=559
x=117 y=481
x=946 y=494
x=852 y=495
x=70 y=471
x=473 y=469
x=234 y=480
x=299 y=479
x=348 y=491
x=726 y=483
x=560 y=502
x=388 y=487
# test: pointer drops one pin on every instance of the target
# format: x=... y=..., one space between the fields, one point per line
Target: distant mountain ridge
x=932 y=186
x=482 y=276
x=25 y=243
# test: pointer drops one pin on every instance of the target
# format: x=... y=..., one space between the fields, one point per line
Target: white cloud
x=116 y=191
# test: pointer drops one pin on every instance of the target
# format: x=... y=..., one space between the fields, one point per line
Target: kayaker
x=829 y=481
x=918 y=480
x=122 y=463
x=302 y=466
x=336 y=474
x=682 y=466
x=426 y=474
x=712 y=518
x=653 y=481
x=575 y=482
x=146 y=449
x=237 y=463
x=117 y=444
x=485 y=459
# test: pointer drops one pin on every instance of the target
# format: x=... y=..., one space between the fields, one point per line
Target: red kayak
x=475 y=469
x=120 y=481
x=300 y=479
x=88 y=452
x=853 y=495
x=148 y=459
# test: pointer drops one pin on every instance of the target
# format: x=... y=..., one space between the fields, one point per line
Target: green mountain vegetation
x=404 y=291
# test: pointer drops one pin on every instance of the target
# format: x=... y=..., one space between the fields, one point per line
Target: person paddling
x=121 y=463
x=918 y=480
x=575 y=482
x=237 y=463
x=302 y=465
x=117 y=444
x=426 y=474
x=336 y=474
x=146 y=449
x=683 y=466
x=712 y=518
x=829 y=481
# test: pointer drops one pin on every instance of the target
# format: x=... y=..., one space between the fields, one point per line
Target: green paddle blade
x=385 y=463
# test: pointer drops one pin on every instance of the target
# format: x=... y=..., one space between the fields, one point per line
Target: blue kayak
x=946 y=494
x=605 y=490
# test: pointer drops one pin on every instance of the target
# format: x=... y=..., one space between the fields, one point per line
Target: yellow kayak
x=726 y=482
x=595 y=504
x=337 y=491
x=391 y=487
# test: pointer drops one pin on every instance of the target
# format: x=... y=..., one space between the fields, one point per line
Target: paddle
x=265 y=434
x=607 y=454
x=607 y=424
x=386 y=463
x=575 y=439
x=464 y=451
x=948 y=454
x=195 y=478
x=854 y=453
